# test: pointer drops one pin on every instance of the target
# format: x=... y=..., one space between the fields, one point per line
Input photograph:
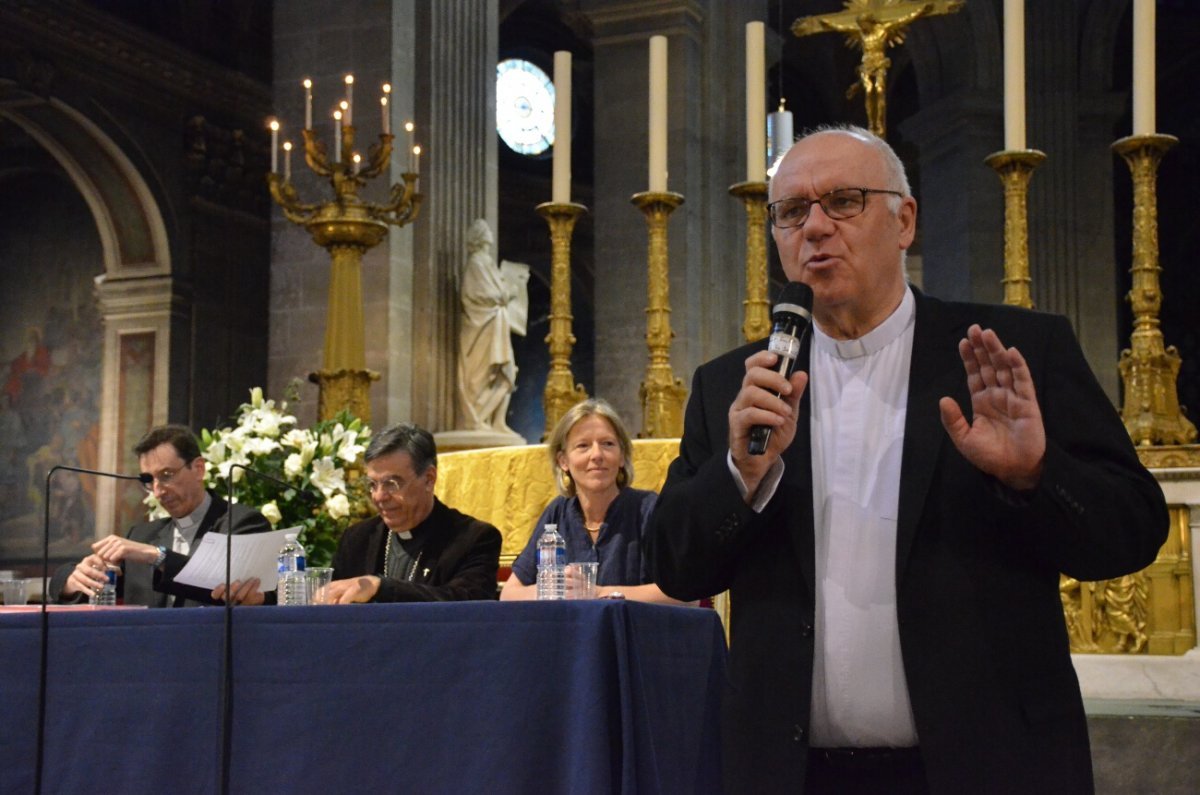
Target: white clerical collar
x=405 y=534
x=186 y=523
x=874 y=340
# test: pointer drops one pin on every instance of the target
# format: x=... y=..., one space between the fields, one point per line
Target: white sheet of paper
x=254 y=555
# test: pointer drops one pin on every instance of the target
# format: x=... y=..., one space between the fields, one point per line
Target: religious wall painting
x=50 y=352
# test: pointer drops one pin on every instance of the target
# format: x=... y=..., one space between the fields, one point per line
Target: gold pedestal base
x=1149 y=369
x=662 y=394
x=756 y=305
x=561 y=392
x=344 y=389
x=1015 y=167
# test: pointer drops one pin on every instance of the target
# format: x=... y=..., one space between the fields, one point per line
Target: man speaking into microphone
x=893 y=555
x=152 y=553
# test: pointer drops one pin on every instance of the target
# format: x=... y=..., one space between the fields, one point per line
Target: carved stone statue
x=495 y=306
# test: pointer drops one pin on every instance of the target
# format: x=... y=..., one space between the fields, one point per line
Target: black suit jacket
x=459 y=558
x=142 y=584
x=985 y=651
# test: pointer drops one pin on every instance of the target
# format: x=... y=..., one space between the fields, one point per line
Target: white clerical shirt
x=858 y=393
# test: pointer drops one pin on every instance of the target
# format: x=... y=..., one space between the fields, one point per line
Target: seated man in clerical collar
x=151 y=553
x=417 y=549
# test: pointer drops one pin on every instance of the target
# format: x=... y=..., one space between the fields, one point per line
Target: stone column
x=456 y=87
x=1070 y=195
x=440 y=59
x=706 y=122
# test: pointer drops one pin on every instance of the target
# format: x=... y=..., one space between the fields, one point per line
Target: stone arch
x=134 y=291
x=127 y=215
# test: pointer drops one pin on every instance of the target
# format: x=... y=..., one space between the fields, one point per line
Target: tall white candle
x=287 y=161
x=337 y=136
x=1143 y=67
x=1014 y=74
x=560 y=192
x=349 y=100
x=307 y=104
x=658 y=114
x=274 y=125
x=756 y=103
x=357 y=160
x=409 y=128
x=416 y=160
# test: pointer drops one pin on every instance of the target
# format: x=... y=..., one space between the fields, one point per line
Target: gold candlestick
x=1015 y=167
x=757 y=308
x=561 y=391
x=662 y=394
x=347 y=227
x=1149 y=370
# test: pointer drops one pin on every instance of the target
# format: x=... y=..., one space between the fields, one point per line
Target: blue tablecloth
x=566 y=697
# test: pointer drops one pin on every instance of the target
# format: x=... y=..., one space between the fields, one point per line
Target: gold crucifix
x=872 y=26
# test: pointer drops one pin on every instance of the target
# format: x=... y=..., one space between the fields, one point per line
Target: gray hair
x=897 y=177
x=404 y=437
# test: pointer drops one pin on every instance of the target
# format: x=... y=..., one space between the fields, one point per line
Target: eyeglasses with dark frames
x=838 y=204
x=163 y=477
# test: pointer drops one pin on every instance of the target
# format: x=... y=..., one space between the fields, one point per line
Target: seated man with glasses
x=152 y=553
x=417 y=549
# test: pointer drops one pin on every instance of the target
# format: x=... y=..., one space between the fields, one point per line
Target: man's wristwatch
x=162 y=555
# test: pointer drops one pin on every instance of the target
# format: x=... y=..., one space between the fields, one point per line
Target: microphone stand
x=45 y=628
x=227 y=662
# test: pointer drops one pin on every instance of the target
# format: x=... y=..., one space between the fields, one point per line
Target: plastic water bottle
x=552 y=564
x=107 y=595
x=293 y=583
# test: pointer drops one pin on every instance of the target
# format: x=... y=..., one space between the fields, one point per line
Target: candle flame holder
x=347 y=227
x=756 y=305
x=662 y=394
x=1015 y=167
x=561 y=392
x=1149 y=369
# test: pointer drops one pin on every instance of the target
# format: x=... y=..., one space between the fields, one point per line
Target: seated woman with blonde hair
x=601 y=517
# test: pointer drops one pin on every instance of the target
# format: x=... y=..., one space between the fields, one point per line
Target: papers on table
x=254 y=555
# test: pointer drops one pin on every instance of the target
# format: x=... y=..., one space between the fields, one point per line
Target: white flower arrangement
x=326 y=458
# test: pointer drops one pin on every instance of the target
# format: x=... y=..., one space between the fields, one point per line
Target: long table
x=564 y=697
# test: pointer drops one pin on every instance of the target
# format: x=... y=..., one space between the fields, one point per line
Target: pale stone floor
x=1149 y=747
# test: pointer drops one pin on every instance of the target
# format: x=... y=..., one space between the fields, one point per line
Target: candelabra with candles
x=347 y=227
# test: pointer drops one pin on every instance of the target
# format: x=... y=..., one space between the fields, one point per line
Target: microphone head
x=795 y=299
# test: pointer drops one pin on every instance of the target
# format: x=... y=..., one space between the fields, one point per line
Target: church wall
x=50 y=349
x=151 y=138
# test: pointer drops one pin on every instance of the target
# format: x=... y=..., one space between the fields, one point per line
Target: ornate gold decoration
x=1015 y=167
x=662 y=394
x=561 y=392
x=510 y=486
x=872 y=26
x=1149 y=370
x=757 y=308
x=1170 y=456
x=347 y=227
x=1151 y=611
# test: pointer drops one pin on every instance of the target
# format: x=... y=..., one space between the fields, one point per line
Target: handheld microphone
x=791 y=318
